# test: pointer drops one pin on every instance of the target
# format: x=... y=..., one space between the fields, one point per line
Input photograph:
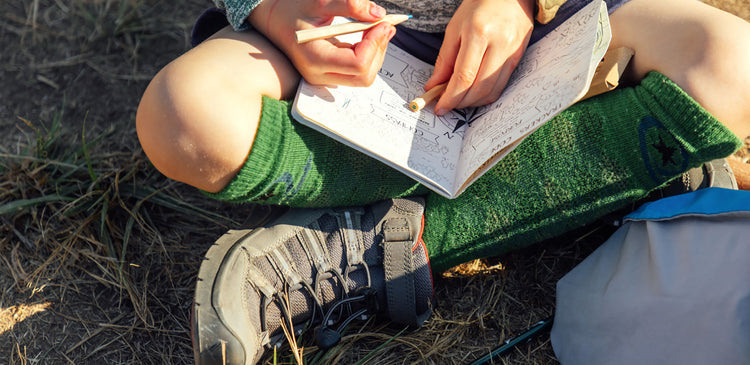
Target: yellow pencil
x=329 y=31
x=426 y=98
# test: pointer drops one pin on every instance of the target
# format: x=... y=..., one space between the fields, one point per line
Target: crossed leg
x=198 y=117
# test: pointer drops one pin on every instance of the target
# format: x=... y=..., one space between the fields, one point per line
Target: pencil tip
x=410 y=16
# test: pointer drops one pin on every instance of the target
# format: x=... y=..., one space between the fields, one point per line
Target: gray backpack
x=671 y=286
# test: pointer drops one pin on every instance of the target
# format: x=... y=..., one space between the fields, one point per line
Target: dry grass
x=99 y=253
x=736 y=7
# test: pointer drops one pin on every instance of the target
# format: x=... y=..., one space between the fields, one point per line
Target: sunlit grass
x=10 y=316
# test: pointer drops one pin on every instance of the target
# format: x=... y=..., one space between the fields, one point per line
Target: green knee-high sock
x=594 y=158
x=291 y=164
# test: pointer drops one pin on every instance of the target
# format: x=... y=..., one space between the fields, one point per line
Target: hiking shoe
x=313 y=268
x=716 y=173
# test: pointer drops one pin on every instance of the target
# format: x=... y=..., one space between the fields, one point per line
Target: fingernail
x=441 y=112
x=377 y=10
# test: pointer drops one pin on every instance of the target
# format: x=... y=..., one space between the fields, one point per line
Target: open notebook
x=448 y=153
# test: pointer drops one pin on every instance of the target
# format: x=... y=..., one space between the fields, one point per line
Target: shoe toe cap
x=223 y=330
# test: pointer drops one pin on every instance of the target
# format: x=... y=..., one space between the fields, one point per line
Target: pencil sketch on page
x=447 y=153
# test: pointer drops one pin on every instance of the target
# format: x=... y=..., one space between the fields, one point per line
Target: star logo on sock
x=663 y=154
x=667 y=152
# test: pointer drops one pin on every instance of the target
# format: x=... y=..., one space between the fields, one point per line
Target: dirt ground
x=99 y=253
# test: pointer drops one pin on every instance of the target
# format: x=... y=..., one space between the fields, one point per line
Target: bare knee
x=704 y=50
x=197 y=118
x=184 y=130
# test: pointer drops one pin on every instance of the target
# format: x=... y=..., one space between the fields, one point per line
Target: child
x=217 y=118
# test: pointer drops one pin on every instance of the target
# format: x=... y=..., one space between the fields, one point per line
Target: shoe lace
x=327 y=337
x=329 y=324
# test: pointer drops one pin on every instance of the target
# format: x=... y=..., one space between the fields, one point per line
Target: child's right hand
x=484 y=41
x=325 y=62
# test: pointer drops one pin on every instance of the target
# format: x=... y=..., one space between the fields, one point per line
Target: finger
x=485 y=83
x=345 y=58
x=466 y=68
x=362 y=10
x=356 y=65
x=491 y=79
x=444 y=63
x=494 y=84
x=364 y=78
x=377 y=53
x=370 y=53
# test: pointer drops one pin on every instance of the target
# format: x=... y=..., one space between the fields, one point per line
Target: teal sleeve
x=237 y=11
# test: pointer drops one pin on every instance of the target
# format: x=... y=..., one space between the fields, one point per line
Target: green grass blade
x=17 y=205
x=373 y=352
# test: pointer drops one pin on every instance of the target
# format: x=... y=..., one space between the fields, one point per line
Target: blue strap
x=709 y=201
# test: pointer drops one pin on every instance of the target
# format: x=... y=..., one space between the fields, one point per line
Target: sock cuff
x=263 y=153
x=291 y=164
x=697 y=128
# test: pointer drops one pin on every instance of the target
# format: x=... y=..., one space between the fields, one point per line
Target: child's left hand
x=483 y=44
x=325 y=61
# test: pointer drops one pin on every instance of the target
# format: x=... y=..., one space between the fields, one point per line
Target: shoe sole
x=210 y=335
x=212 y=338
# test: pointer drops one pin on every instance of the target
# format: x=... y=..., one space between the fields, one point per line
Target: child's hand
x=483 y=44
x=323 y=61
